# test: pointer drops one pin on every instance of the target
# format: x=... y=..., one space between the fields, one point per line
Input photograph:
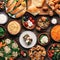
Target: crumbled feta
x=29 y=23
x=44 y=39
x=27 y=41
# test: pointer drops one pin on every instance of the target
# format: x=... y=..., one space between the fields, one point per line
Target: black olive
x=26 y=17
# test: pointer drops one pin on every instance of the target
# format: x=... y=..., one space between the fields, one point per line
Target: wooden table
x=36 y=32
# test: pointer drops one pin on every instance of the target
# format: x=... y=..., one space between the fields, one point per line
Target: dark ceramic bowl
x=27 y=18
x=38 y=28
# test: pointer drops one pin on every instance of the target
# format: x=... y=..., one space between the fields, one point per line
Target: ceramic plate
x=32 y=35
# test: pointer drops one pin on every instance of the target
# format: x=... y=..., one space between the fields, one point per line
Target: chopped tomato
x=33 y=21
x=50 y=55
x=52 y=51
x=30 y=18
x=26 y=24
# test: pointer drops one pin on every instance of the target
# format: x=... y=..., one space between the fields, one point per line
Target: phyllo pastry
x=39 y=7
x=15 y=8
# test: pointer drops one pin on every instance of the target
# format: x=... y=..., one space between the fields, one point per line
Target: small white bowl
x=3 y=18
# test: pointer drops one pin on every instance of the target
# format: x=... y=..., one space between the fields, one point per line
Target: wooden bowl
x=47 y=36
x=29 y=28
x=33 y=26
x=38 y=28
x=49 y=49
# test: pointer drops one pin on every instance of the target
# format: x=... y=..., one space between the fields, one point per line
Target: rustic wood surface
x=16 y=38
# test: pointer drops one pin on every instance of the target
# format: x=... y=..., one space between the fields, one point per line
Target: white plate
x=32 y=35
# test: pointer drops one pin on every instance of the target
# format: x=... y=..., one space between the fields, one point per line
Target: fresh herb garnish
x=2 y=31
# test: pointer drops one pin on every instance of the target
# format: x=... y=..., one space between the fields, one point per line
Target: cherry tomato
x=50 y=55
x=26 y=24
x=30 y=18
x=52 y=51
x=32 y=21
